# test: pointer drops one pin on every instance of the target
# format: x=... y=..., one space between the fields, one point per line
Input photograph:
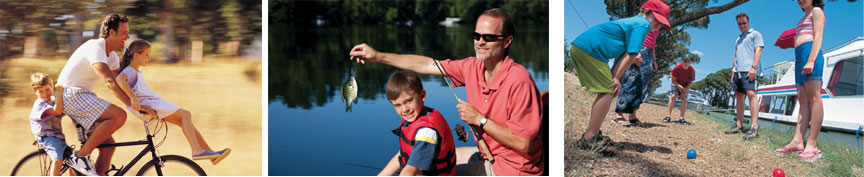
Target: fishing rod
x=481 y=143
x=360 y=165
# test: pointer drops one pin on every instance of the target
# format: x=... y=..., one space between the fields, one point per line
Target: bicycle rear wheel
x=172 y=165
x=34 y=164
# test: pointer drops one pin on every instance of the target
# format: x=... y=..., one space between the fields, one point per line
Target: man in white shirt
x=93 y=61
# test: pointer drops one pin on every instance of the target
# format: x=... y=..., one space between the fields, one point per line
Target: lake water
x=309 y=131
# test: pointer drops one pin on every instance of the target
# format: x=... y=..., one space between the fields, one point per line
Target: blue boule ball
x=691 y=154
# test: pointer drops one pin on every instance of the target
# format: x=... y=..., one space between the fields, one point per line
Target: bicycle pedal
x=114 y=169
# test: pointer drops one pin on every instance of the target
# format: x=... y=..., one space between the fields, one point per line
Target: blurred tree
x=715 y=88
x=26 y=23
x=420 y=12
x=166 y=28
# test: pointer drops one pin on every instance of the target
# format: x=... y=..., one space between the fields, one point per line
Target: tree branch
x=705 y=12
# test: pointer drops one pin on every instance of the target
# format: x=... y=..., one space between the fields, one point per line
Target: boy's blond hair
x=402 y=81
x=39 y=80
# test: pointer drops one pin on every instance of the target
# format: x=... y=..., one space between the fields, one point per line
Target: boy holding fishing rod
x=503 y=103
x=425 y=142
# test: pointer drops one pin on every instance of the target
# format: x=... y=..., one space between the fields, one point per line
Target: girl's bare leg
x=815 y=99
x=183 y=118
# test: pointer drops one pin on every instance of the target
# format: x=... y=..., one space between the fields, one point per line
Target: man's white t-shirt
x=79 y=72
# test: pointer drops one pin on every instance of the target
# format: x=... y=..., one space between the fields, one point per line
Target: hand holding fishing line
x=362 y=53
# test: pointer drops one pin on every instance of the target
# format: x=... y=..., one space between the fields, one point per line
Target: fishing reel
x=460 y=131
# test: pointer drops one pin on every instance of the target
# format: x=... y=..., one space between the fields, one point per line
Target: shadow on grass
x=642 y=148
x=650 y=125
x=582 y=162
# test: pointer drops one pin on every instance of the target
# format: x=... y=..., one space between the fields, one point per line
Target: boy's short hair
x=401 y=81
x=39 y=80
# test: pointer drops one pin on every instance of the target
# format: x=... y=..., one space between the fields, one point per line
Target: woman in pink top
x=808 y=80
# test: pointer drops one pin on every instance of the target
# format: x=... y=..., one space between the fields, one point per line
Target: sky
x=715 y=44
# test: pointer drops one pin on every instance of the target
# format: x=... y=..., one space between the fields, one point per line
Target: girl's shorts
x=802 y=54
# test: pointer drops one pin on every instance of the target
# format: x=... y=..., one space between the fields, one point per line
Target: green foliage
x=61 y=22
x=716 y=87
x=421 y=12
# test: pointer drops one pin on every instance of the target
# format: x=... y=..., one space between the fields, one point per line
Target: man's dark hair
x=742 y=14
x=111 y=22
x=506 y=22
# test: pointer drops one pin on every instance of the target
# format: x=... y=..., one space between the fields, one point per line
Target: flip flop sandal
x=621 y=121
x=667 y=120
x=683 y=122
x=599 y=144
x=816 y=156
x=784 y=150
x=635 y=122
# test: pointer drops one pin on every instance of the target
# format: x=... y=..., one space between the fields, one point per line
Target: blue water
x=316 y=141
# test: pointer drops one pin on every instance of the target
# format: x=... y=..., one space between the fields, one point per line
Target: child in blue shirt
x=591 y=52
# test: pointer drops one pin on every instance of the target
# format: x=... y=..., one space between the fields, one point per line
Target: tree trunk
x=166 y=37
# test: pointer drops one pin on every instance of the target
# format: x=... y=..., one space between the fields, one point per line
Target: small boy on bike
x=45 y=119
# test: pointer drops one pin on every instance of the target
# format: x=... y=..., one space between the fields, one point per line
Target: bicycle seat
x=145 y=117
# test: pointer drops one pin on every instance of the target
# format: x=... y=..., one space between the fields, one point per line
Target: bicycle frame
x=150 y=148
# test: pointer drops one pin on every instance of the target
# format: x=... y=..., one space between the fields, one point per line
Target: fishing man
x=503 y=101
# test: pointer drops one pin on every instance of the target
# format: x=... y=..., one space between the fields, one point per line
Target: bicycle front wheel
x=34 y=164
x=172 y=165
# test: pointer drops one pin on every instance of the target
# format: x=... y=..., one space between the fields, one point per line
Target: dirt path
x=225 y=106
x=660 y=148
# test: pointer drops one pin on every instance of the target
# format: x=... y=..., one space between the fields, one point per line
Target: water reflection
x=311 y=134
x=308 y=66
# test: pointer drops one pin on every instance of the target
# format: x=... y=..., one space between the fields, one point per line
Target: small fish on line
x=349 y=93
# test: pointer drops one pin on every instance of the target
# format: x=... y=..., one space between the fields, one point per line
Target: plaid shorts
x=83 y=106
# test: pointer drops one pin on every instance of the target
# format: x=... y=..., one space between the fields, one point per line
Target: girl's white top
x=135 y=79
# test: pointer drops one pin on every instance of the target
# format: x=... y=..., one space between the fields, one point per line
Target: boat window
x=845 y=80
x=779 y=104
x=766 y=102
x=790 y=105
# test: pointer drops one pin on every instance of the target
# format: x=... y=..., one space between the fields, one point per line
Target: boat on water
x=695 y=101
x=842 y=90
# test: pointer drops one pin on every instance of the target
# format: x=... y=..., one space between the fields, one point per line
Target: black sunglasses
x=487 y=37
x=742 y=23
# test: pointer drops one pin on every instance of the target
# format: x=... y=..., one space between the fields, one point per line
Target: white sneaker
x=81 y=164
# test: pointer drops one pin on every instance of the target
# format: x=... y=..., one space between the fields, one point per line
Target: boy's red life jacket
x=444 y=163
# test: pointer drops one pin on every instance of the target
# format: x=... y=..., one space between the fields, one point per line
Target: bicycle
x=38 y=163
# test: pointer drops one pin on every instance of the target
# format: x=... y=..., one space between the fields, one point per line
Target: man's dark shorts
x=741 y=84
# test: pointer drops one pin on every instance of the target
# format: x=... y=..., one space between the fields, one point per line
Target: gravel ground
x=659 y=149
